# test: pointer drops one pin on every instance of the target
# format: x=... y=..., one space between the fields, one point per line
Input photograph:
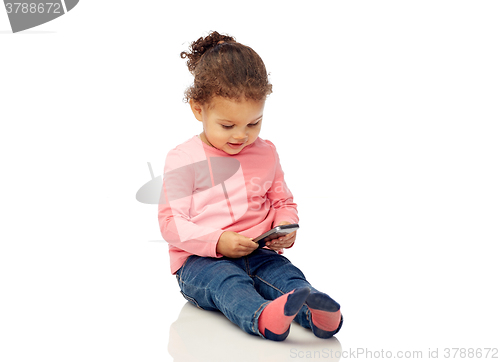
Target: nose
x=240 y=135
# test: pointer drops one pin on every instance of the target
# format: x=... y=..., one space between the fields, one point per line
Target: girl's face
x=229 y=125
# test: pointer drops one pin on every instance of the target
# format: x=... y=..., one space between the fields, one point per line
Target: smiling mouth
x=235 y=145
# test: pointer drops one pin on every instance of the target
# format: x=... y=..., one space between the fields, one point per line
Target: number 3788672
x=33 y=8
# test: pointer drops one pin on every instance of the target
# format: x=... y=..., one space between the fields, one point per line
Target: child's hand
x=284 y=241
x=234 y=245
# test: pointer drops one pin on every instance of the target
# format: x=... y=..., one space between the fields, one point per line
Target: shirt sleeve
x=174 y=209
x=280 y=196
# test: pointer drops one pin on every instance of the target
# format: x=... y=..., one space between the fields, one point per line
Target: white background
x=386 y=118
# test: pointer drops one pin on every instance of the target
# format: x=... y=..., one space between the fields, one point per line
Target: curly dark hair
x=223 y=67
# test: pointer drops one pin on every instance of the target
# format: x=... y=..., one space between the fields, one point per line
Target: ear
x=197 y=110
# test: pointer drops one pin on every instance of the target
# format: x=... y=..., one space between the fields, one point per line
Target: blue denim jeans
x=241 y=288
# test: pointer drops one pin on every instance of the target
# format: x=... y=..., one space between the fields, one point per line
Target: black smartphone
x=275 y=233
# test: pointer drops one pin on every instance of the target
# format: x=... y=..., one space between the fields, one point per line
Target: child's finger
x=249 y=243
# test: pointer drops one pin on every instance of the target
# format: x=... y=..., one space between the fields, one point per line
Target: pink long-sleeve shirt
x=206 y=192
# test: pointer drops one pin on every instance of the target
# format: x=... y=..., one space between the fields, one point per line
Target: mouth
x=235 y=145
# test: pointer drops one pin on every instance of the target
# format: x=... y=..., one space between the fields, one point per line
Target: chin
x=232 y=152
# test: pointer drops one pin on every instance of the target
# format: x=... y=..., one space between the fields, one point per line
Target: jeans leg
x=222 y=284
x=274 y=275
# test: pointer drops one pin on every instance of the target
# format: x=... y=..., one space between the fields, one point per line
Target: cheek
x=217 y=135
x=255 y=132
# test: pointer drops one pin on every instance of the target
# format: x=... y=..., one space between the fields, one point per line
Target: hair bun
x=202 y=45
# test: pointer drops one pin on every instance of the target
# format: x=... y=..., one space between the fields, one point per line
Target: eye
x=253 y=124
x=226 y=127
